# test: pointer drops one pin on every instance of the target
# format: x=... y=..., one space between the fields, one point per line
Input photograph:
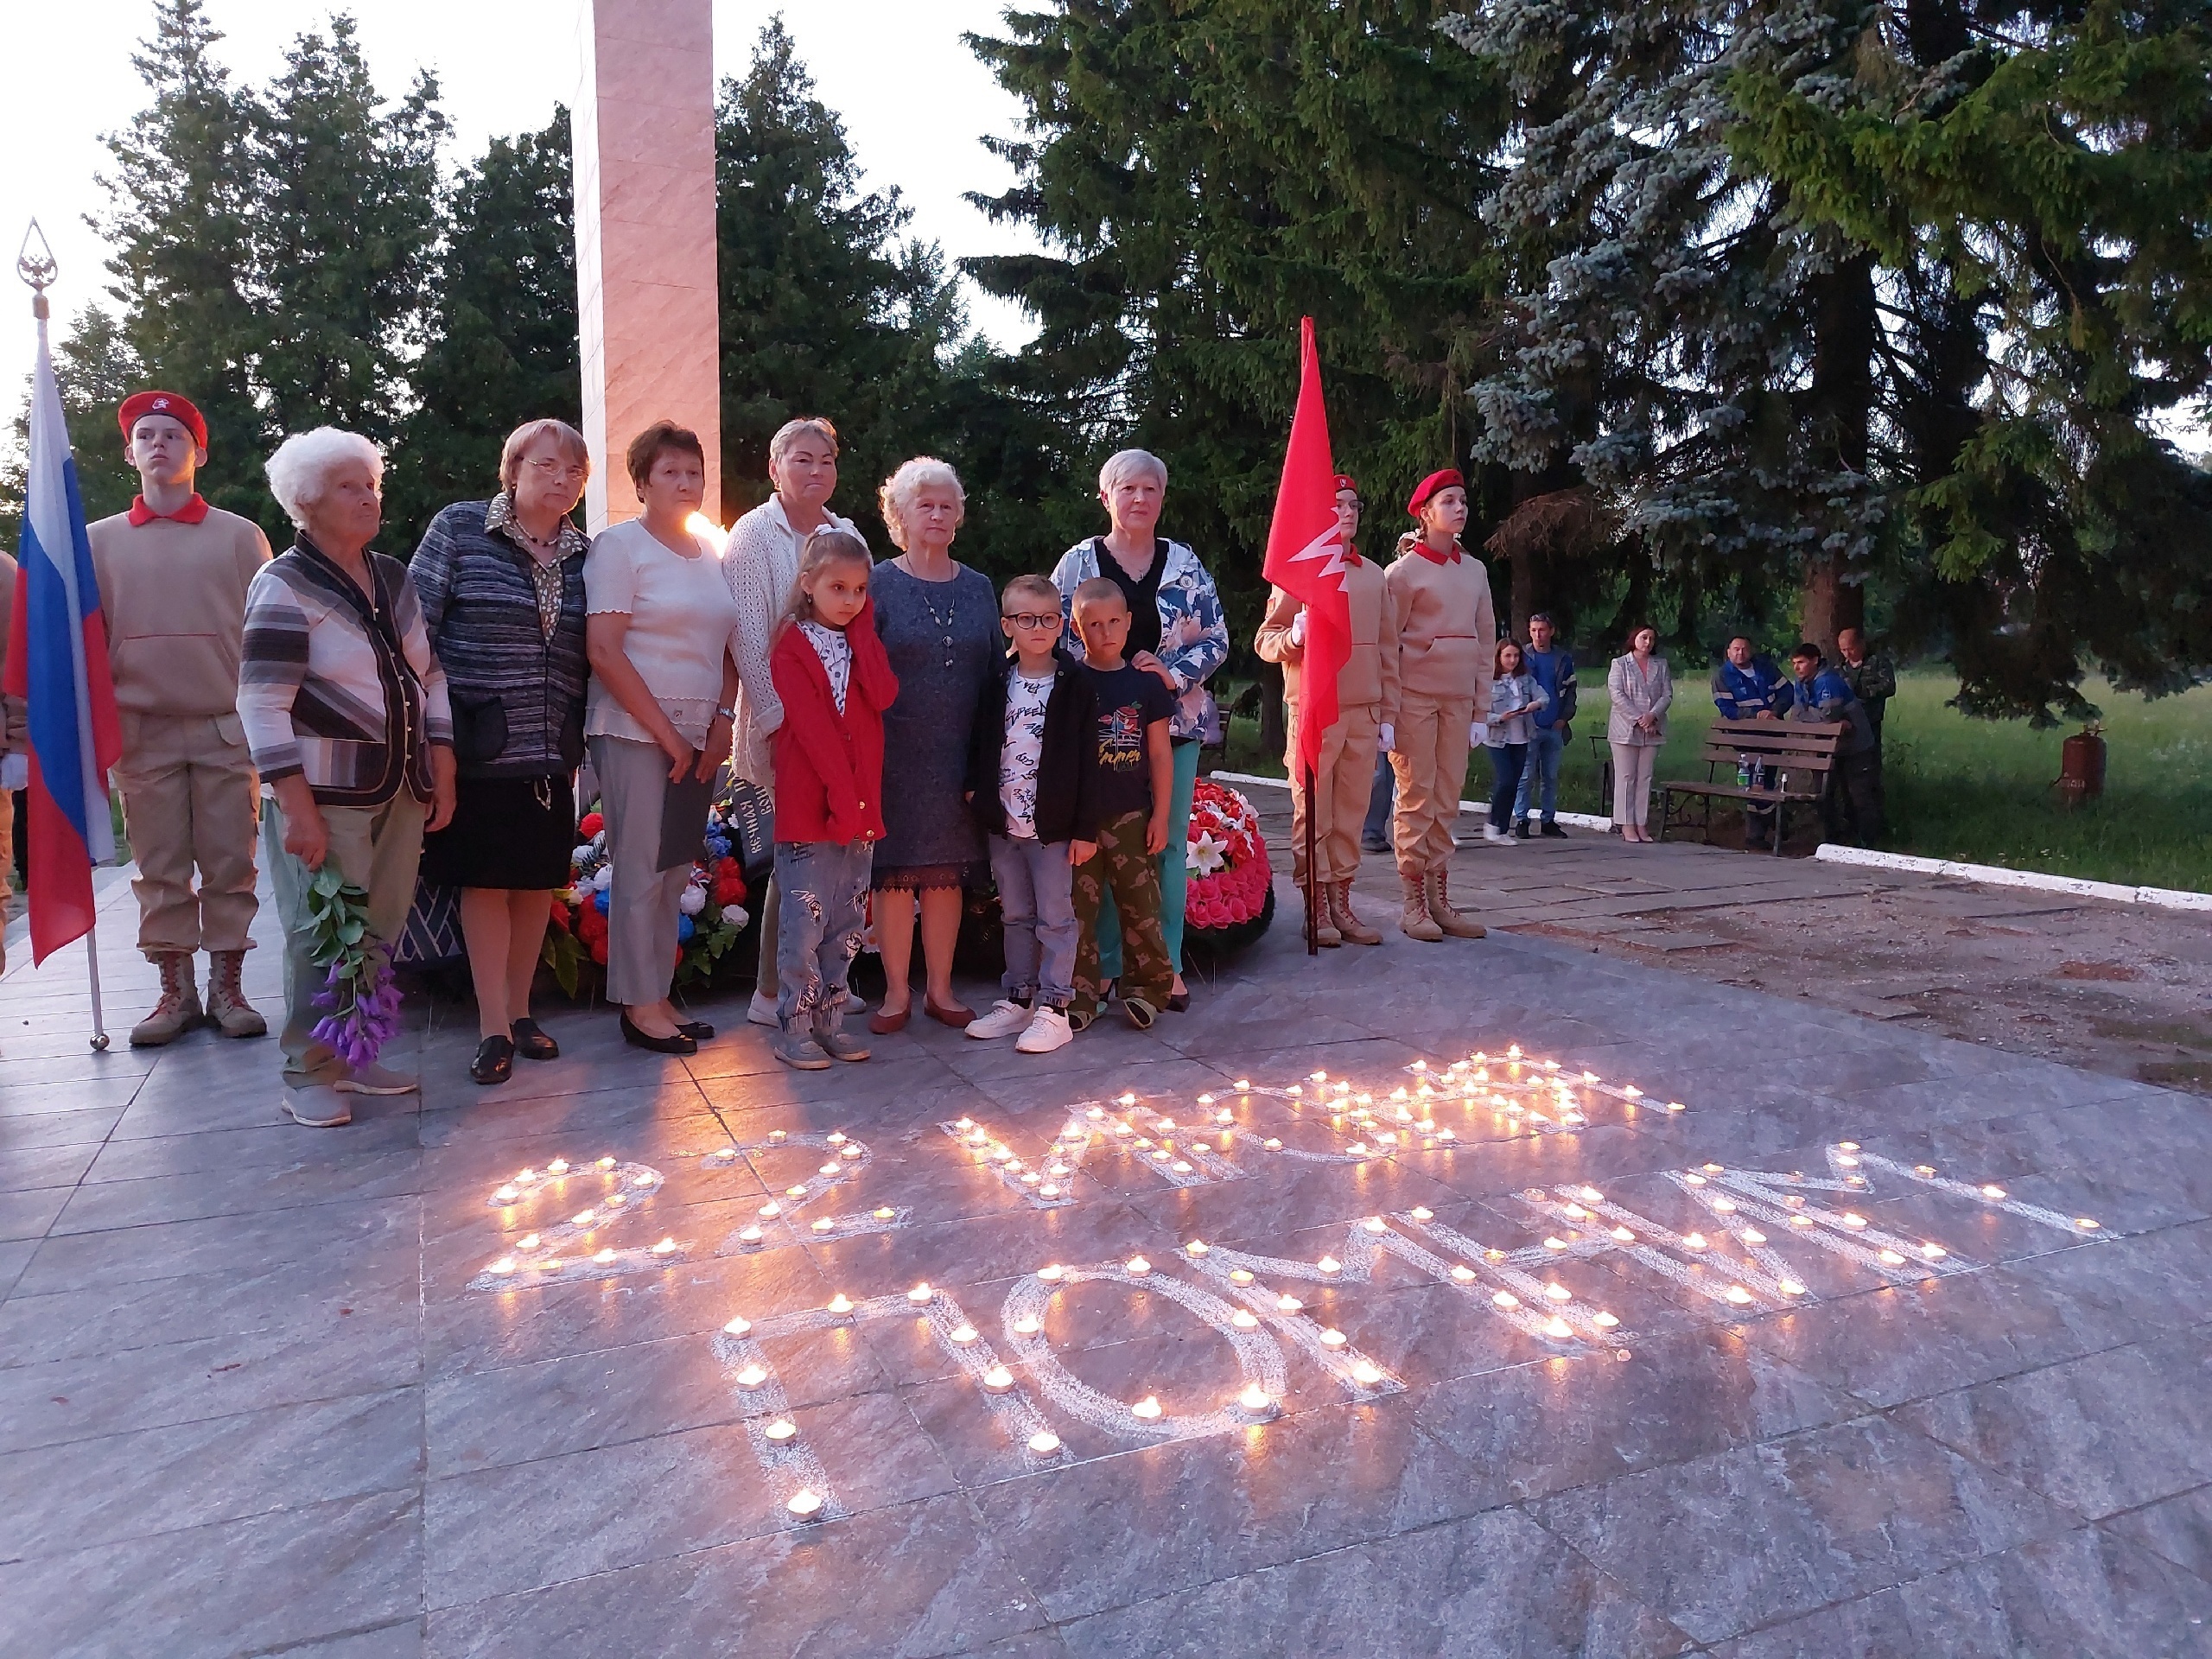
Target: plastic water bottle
x=1745 y=771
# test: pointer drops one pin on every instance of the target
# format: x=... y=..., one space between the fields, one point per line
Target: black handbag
x=479 y=727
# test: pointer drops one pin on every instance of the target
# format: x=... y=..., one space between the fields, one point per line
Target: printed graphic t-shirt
x=1129 y=700
x=1023 y=752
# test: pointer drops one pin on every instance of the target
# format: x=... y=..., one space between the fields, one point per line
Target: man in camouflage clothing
x=1873 y=678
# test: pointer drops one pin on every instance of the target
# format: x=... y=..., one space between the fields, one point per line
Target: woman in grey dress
x=939 y=623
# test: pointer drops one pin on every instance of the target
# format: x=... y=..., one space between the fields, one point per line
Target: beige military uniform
x=174 y=597
x=1447 y=650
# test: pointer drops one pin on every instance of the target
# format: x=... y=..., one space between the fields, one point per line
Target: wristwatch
x=725 y=714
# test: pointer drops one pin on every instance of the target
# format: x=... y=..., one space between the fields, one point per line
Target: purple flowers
x=358 y=985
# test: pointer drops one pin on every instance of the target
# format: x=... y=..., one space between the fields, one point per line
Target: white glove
x=1298 y=630
x=1478 y=735
x=1389 y=735
x=15 y=771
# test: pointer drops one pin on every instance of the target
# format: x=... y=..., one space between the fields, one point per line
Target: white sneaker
x=374 y=1080
x=1048 y=1030
x=1003 y=1021
x=761 y=1011
x=1499 y=838
x=316 y=1107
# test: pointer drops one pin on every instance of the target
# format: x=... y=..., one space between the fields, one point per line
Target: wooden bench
x=1800 y=756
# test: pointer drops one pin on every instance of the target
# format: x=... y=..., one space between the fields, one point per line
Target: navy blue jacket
x=1553 y=669
x=1745 y=693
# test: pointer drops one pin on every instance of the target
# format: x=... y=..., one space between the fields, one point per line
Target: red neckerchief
x=190 y=513
x=1435 y=557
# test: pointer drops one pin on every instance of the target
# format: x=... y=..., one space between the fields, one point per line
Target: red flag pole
x=1312 y=872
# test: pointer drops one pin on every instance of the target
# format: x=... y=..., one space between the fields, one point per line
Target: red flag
x=1306 y=555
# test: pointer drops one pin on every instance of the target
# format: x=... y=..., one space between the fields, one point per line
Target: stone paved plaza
x=1824 y=1363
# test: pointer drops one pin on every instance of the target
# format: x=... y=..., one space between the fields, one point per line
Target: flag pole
x=1313 y=872
x=93 y=969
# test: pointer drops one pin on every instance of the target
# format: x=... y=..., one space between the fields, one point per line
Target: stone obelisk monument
x=645 y=285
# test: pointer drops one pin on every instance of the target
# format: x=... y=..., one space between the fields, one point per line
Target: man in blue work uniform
x=1748 y=686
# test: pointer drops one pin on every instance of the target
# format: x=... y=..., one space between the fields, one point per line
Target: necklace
x=951 y=608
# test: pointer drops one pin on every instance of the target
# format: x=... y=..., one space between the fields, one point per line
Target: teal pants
x=1175 y=875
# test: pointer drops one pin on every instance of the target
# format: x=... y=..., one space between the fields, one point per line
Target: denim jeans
x=1509 y=771
x=823 y=885
x=1545 y=747
x=1037 y=898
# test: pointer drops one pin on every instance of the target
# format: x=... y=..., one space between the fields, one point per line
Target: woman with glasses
x=502 y=586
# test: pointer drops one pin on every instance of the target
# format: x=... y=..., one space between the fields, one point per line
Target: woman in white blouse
x=659 y=631
x=1642 y=690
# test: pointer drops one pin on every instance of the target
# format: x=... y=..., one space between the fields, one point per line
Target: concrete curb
x=1577 y=820
x=1997 y=876
x=1992 y=875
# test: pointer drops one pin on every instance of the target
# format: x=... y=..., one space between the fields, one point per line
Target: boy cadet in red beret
x=1367 y=697
x=172 y=573
x=1448 y=648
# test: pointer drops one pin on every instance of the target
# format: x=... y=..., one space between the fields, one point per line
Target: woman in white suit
x=1642 y=690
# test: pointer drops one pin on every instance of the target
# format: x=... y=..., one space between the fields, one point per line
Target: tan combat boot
x=1416 y=922
x=1348 y=924
x=1317 y=905
x=178 y=1011
x=1438 y=887
x=226 y=1005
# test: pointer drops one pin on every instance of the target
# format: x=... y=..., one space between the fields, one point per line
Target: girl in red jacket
x=835 y=681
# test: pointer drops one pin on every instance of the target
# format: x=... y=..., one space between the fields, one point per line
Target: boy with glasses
x=1031 y=777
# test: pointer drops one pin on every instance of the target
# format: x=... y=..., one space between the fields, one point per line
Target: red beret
x=1449 y=479
x=1345 y=481
x=174 y=404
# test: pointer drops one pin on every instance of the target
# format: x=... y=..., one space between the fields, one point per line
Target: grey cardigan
x=1636 y=693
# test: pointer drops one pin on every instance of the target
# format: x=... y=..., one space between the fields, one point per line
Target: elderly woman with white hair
x=760 y=564
x=502 y=586
x=939 y=623
x=1176 y=631
x=345 y=710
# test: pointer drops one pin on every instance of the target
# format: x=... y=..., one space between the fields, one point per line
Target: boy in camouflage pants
x=1133 y=779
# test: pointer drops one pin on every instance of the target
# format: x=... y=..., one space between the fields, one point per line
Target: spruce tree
x=502 y=326
x=180 y=256
x=1202 y=176
x=344 y=235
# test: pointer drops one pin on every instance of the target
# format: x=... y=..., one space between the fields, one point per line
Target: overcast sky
x=915 y=99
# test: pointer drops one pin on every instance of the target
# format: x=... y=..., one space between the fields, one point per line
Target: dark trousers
x=1506 y=760
x=1851 y=807
x=1123 y=867
x=1375 y=834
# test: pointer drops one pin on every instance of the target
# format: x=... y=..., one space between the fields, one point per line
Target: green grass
x=1966 y=788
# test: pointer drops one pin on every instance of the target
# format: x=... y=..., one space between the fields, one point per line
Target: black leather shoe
x=698 y=1030
x=1179 y=1002
x=1552 y=828
x=532 y=1043
x=679 y=1044
x=494 y=1061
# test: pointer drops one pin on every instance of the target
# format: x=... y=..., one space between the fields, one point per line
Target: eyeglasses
x=555 y=472
x=1034 y=619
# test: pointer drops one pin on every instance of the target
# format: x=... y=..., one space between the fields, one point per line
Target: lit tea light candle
x=1753 y=1236
x=963 y=1334
x=1791 y=1287
x=1239 y=1276
x=751 y=1378
x=804 y=1504
x=1555 y=1243
x=1726 y=1206
x=1623 y=1235
x=739 y=1326
x=1420 y=1213
x=615 y=1201
x=1196 y=1247
x=1694 y=1181
x=1333 y=1339
x=1358 y=1148
x=584 y=1218
x=965 y=1124
x=776 y=1135
x=1224 y=1116
x=798 y=1191
x=1243 y=1085
x=2085 y=1224
x=1933 y=1252
x=1044 y=1442
x=1048 y=1191
x=505 y=1265
x=506 y=1195
x=1446 y=1134
x=1330 y=1264
x=824 y=1225
x=1026 y=1326
x=1129 y=1100
x=1713 y=1169
x=1030 y=1178
x=1148 y=1409
x=771 y=1211
x=1850 y=1220
x=1180 y=1167
x=1801 y=1221
x=1287 y=1304
x=1123 y=1128
x=526 y=1176
x=748 y=1235
x=1294 y=1088
x=1506 y=1299
x=1558 y=1329
x=1576 y=1212
x=1892 y=1258
x=1272 y=1144
x=850 y=1152
x=1694 y=1242
x=603 y=1257
x=884 y=1212
x=1160 y=1154
x=781 y=1430
x=666 y=1247
x=1676 y=1106
x=998 y=1379
x=1050 y=1272
x=641 y=1180
x=551 y=1264
x=1558 y=1293
x=1137 y=1264
x=1464 y=1275
x=558 y=1167
x=841 y=1303
x=1604 y=1321
x=1366 y=1372
x=1373 y=1223
x=1737 y=1295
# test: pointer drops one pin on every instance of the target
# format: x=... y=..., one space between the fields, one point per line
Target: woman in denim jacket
x=1176 y=631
